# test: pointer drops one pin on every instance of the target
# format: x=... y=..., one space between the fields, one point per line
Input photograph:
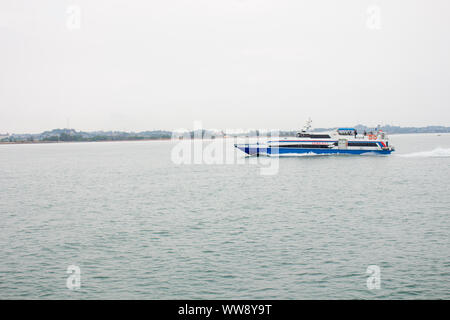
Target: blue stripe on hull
x=325 y=151
x=254 y=150
x=261 y=150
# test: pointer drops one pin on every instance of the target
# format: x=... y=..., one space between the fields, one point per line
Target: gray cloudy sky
x=138 y=65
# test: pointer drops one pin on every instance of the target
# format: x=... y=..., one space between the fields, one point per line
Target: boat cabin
x=346 y=131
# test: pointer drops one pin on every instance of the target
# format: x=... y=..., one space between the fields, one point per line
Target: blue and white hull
x=341 y=141
x=257 y=150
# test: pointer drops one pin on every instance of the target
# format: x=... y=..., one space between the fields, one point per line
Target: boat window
x=306 y=146
x=320 y=136
x=314 y=136
x=361 y=144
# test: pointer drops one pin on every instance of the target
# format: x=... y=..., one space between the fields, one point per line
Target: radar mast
x=307 y=125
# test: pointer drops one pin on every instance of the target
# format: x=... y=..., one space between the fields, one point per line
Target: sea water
x=139 y=226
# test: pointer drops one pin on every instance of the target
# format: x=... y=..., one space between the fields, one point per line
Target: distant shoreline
x=72 y=135
x=57 y=142
x=170 y=139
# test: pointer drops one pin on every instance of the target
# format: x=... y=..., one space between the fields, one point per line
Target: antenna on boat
x=307 y=125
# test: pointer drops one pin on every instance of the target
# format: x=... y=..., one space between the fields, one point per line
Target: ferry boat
x=339 y=141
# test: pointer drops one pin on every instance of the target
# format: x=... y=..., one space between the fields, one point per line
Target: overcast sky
x=143 y=65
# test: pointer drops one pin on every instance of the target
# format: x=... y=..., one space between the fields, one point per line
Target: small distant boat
x=339 y=141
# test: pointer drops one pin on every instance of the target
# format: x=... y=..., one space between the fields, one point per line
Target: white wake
x=436 y=153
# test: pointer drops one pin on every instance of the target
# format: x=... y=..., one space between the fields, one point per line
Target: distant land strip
x=71 y=135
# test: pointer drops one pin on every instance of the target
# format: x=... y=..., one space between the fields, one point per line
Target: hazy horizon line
x=216 y=129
